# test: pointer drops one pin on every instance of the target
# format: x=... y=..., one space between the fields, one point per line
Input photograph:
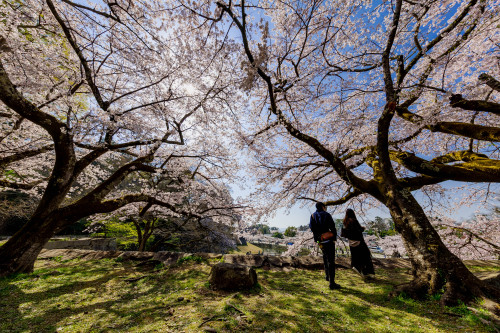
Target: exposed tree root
x=467 y=292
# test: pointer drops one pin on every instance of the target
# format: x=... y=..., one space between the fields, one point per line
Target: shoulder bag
x=327 y=236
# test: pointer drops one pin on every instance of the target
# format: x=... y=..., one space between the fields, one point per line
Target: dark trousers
x=329 y=260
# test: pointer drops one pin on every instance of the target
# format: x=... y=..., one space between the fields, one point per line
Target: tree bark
x=142 y=245
x=435 y=269
x=148 y=231
x=18 y=255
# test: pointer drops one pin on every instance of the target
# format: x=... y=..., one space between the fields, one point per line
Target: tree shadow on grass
x=47 y=321
x=291 y=304
x=296 y=301
x=62 y=302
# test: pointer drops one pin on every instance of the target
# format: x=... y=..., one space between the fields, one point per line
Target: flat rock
x=228 y=276
x=169 y=258
x=69 y=254
x=205 y=255
x=308 y=262
x=136 y=255
x=282 y=262
x=253 y=260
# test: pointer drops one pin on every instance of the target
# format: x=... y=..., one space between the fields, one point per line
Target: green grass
x=248 y=248
x=477 y=269
x=196 y=259
x=116 y=296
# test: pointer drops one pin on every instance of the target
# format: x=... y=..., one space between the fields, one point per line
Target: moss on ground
x=116 y=296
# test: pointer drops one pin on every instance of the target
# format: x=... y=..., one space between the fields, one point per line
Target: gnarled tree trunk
x=18 y=255
x=434 y=268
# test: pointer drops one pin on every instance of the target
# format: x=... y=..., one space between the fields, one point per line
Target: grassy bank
x=113 y=296
x=248 y=248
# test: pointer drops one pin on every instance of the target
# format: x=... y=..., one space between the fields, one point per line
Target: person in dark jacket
x=361 y=260
x=320 y=223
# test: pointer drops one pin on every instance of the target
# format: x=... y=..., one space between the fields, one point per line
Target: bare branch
x=88 y=72
x=24 y=154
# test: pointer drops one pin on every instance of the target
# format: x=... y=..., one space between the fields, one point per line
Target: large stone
x=136 y=255
x=97 y=244
x=280 y=262
x=253 y=260
x=205 y=255
x=169 y=258
x=228 y=276
x=69 y=254
x=308 y=262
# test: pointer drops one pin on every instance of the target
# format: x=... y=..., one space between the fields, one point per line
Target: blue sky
x=298 y=215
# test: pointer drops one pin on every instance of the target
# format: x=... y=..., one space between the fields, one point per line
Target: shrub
x=196 y=259
x=291 y=232
x=278 y=235
x=304 y=252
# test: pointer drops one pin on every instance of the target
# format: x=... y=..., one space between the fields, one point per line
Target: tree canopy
x=102 y=111
x=365 y=101
x=149 y=105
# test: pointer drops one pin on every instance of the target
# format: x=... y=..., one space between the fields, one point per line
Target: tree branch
x=440 y=36
x=105 y=187
x=457 y=101
x=344 y=199
x=345 y=173
x=473 y=131
x=15 y=101
x=24 y=154
x=20 y=186
x=478 y=169
x=490 y=81
x=86 y=68
x=95 y=11
x=473 y=234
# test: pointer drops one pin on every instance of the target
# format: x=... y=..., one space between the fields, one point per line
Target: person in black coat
x=325 y=234
x=361 y=260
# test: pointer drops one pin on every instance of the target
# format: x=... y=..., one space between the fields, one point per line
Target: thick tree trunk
x=18 y=255
x=435 y=269
x=142 y=244
x=144 y=240
x=143 y=236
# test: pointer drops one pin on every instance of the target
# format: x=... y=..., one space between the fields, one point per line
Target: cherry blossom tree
x=363 y=102
x=477 y=239
x=206 y=205
x=98 y=100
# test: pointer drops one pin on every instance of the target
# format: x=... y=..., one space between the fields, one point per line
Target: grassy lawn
x=110 y=296
x=248 y=248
